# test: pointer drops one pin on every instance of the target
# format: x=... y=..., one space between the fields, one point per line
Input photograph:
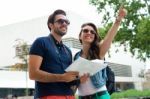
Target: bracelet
x=75 y=82
x=78 y=82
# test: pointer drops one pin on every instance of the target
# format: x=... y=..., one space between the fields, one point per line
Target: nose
x=64 y=23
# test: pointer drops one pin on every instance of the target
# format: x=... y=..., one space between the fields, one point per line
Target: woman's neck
x=85 y=50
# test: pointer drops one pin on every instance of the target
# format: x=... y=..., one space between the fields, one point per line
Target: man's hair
x=51 y=18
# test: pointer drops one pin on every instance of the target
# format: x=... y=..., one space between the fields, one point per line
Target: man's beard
x=60 y=33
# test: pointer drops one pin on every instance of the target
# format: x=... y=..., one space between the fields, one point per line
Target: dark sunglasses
x=61 y=21
x=87 y=30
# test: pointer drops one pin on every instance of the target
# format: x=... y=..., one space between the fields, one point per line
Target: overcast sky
x=17 y=10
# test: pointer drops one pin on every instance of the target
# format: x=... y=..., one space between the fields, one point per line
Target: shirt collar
x=56 y=42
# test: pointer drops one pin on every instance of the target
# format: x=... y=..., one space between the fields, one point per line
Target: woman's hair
x=94 y=49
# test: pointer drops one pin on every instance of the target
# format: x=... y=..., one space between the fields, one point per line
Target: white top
x=87 y=88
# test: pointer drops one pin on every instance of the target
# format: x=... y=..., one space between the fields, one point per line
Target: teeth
x=88 y=37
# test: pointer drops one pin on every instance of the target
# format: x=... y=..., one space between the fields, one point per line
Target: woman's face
x=87 y=34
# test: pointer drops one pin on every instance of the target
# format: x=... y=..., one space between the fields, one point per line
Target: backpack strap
x=110 y=83
x=77 y=55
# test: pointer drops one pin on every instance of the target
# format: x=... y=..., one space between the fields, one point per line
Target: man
x=48 y=59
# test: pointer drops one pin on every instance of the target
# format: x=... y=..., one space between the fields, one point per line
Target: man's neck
x=57 y=37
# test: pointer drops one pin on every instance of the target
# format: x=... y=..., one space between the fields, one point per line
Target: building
x=15 y=83
x=146 y=83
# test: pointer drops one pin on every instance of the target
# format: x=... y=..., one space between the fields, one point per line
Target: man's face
x=60 y=25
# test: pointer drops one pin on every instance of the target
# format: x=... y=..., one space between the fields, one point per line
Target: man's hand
x=69 y=76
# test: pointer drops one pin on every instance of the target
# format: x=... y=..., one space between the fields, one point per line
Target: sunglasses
x=61 y=21
x=87 y=30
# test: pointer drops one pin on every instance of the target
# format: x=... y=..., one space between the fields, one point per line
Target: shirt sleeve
x=37 y=48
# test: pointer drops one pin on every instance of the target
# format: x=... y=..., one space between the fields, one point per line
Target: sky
x=13 y=11
x=18 y=10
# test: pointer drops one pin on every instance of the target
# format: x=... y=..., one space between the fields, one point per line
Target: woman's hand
x=121 y=14
x=84 y=78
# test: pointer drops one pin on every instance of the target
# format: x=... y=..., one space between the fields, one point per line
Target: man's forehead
x=60 y=16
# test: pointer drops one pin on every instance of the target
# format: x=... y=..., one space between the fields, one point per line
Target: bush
x=130 y=93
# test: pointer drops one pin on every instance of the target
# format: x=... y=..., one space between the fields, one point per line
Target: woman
x=95 y=48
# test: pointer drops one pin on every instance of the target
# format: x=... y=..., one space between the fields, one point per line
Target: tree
x=22 y=50
x=134 y=32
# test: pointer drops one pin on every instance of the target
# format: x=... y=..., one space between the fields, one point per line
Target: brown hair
x=94 y=49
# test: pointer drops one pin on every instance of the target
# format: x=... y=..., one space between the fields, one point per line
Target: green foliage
x=76 y=96
x=25 y=51
x=134 y=31
x=23 y=54
x=130 y=93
